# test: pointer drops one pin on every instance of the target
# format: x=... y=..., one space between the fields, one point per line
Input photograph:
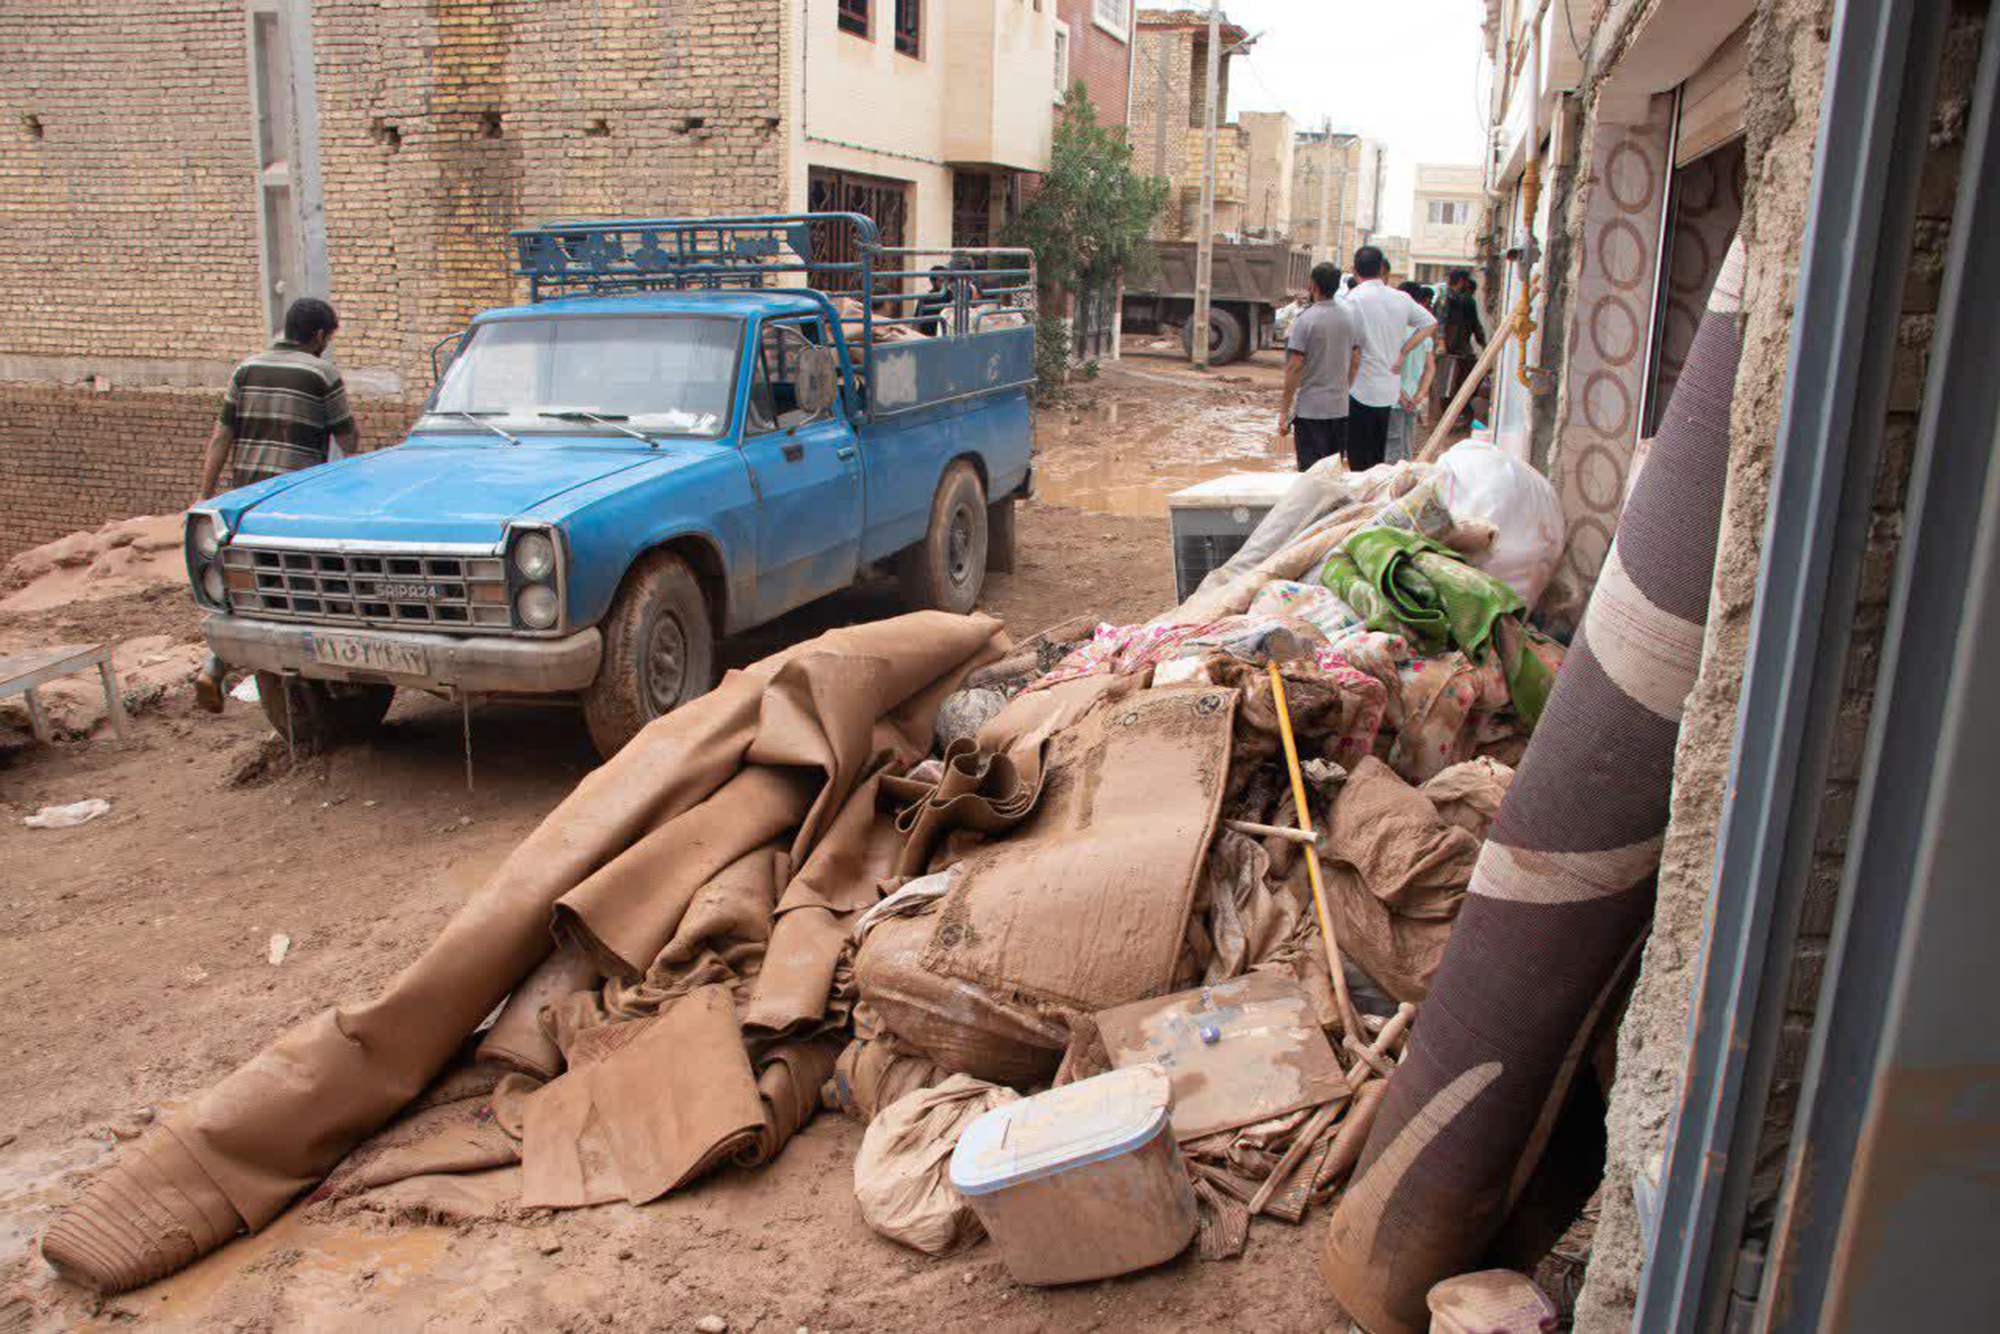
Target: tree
x=1088 y=222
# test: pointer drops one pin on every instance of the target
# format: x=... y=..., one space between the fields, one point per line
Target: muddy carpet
x=792 y=749
x=1562 y=890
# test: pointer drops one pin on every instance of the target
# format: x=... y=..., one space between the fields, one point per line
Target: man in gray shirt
x=1321 y=355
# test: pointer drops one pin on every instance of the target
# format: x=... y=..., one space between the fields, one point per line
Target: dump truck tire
x=947 y=570
x=322 y=713
x=1227 y=339
x=659 y=652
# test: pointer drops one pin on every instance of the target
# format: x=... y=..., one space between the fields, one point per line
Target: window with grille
x=853 y=17
x=1062 y=61
x=1449 y=212
x=1114 y=16
x=910 y=27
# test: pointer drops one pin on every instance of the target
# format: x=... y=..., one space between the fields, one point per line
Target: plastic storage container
x=1081 y=1182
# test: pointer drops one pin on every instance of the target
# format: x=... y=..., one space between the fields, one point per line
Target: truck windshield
x=674 y=374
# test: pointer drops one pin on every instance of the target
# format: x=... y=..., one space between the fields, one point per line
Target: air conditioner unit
x=1211 y=521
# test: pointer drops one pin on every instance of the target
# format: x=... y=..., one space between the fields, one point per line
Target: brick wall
x=1099 y=60
x=127 y=225
x=128 y=230
x=445 y=126
x=76 y=457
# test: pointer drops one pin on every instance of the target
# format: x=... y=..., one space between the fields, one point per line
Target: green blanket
x=1403 y=583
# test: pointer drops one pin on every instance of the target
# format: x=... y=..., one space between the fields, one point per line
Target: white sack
x=1480 y=481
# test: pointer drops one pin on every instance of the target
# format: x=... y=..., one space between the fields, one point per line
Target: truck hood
x=429 y=490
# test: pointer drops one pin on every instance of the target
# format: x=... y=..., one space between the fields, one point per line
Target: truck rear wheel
x=659 y=652
x=322 y=712
x=1227 y=339
x=946 y=571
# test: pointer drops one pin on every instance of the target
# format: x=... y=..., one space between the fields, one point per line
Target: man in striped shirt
x=283 y=405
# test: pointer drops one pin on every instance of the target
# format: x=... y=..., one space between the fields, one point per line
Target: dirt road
x=134 y=971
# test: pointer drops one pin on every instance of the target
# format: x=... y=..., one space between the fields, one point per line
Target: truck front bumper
x=489 y=665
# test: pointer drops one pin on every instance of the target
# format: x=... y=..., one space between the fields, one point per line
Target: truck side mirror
x=818 y=382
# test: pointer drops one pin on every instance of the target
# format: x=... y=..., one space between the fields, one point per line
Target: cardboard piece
x=1238 y=1052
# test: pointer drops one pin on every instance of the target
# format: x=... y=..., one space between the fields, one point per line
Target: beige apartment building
x=172 y=176
x=1360 y=175
x=1444 y=219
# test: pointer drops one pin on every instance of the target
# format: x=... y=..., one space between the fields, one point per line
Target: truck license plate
x=371 y=654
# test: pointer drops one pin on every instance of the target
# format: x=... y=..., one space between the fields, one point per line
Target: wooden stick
x=1255 y=830
x=1228 y=1182
x=1353 y=1134
x=1307 y=1137
x=1494 y=346
x=1375 y=1053
x=1338 y=975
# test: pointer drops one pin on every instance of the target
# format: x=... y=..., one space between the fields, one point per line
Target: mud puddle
x=1127 y=455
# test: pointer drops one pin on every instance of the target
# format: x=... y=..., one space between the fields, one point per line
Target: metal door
x=806 y=469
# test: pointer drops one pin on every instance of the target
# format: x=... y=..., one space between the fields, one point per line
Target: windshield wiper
x=614 y=420
x=477 y=420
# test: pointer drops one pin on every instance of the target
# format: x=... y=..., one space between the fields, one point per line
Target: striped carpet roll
x=1563 y=888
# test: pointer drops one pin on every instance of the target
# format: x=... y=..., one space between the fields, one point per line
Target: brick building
x=173 y=175
x=1094 y=48
x=1169 y=107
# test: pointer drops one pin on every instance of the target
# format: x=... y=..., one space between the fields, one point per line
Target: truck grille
x=403 y=590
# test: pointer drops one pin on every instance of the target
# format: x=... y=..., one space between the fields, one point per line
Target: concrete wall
x=1355 y=188
x=1788 y=53
x=1267 y=198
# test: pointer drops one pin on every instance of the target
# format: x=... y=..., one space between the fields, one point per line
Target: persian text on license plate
x=370 y=654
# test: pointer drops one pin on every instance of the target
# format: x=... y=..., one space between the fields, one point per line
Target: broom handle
x=1494 y=346
x=1348 y=1023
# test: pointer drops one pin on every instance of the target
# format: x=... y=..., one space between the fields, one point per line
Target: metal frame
x=1874 y=122
x=1904 y=966
x=695 y=254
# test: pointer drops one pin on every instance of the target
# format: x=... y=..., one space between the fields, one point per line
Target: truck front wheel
x=946 y=570
x=316 y=714
x=659 y=652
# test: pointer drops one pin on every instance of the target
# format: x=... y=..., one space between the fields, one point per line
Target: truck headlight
x=535 y=556
x=537 y=606
x=207 y=536
x=211 y=586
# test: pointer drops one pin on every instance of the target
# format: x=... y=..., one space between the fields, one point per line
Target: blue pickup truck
x=693 y=427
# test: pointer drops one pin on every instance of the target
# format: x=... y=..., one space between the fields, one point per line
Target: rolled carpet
x=1561 y=890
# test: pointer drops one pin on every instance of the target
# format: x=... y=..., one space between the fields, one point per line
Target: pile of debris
x=1182 y=885
x=122 y=556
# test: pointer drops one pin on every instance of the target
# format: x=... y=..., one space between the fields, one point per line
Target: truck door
x=807 y=474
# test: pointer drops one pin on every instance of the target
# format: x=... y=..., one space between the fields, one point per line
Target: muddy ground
x=134 y=972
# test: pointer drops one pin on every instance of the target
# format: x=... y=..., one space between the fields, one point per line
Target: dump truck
x=691 y=428
x=1251 y=281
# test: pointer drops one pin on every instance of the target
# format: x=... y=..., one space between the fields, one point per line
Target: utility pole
x=1328 y=240
x=1204 y=255
x=1160 y=60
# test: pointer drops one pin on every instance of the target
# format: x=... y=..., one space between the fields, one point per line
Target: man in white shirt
x=1388 y=325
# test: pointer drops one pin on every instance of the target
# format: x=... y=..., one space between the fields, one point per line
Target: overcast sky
x=1407 y=72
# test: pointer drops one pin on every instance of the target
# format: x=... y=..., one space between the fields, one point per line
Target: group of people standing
x=1365 y=363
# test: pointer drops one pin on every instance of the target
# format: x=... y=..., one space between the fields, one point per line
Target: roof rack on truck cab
x=832 y=255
